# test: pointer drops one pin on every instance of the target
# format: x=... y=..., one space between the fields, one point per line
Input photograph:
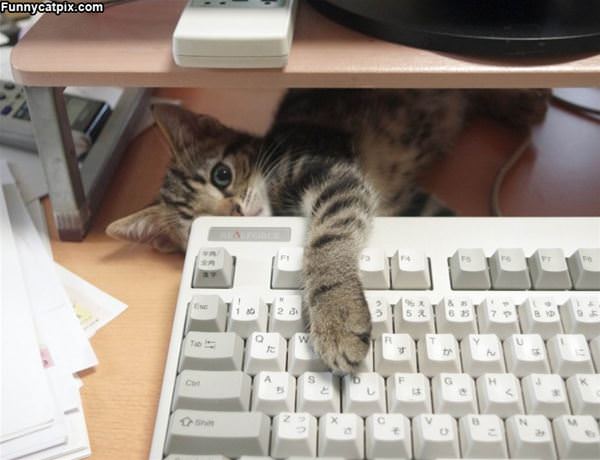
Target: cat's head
x=215 y=171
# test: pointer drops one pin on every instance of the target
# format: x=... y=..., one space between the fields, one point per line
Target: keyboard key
x=584 y=394
x=454 y=394
x=410 y=270
x=286 y=315
x=577 y=436
x=581 y=315
x=526 y=354
x=363 y=393
x=569 y=354
x=540 y=316
x=302 y=357
x=469 y=270
x=508 y=268
x=206 y=313
x=499 y=317
x=456 y=316
x=294 y=434
x=545 y=394
x=212 y=390
x=409 y=394
x=216 y=351
x=499 y=394
x=438 y=353
x=213 y=269
x=373 y=269
x=274 y=392
x=482 y=353
x=381 y=316
x=318 y=393
x=395 y=353
x=388 y=436
x=341 y=435
x=248 y=313
x=595 y=349
x=584 y=266
x=226 y=433
x=287 y=268
x=548 y=269
x=435 y=436
x=414 y=316
x=197 y=457
x=482 y=436
x=530 y=436
x=265 y=351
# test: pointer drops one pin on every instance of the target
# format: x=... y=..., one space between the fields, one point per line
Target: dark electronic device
x=494 y=28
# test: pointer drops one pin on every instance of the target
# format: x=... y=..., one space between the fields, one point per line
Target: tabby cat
x=338 y=157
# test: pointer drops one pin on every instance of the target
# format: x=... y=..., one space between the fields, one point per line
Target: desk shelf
x=130 y=45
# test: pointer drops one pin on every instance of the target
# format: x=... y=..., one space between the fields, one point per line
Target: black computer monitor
x=476 y=27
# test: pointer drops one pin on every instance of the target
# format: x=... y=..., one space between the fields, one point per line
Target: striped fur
x=338 y=157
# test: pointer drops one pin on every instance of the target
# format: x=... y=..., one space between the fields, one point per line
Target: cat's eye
x=221 y=175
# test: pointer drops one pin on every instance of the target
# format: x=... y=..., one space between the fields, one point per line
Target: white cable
x=506 y=167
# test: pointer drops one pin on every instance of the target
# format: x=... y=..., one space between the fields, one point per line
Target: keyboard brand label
x=279 y=234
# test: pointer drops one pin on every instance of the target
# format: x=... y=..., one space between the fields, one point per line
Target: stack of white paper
x=44 y=340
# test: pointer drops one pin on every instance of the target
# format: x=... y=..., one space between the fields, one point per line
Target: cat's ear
x=181 y=127
x=152 y=225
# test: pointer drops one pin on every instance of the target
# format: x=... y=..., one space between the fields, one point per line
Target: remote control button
x=584 y=265
x=214 y=269
x=410 y=270
x=212 y=390
x=469 y=270
x=287 y=268
x=548 y=269
x=508 y=268
x=225 y=433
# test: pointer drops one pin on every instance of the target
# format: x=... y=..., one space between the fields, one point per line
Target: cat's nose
x=237 y=210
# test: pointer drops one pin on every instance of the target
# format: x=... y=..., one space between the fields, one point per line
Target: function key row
x=415 y=316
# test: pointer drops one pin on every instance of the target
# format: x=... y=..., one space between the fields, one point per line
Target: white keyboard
x=486 y=344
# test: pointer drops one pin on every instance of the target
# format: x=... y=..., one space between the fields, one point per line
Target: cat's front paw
x=340 y=327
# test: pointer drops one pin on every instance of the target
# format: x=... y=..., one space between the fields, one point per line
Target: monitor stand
x=492 y=28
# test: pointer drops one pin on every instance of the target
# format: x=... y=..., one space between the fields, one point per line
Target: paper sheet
x=25 y=396
x=93 y=307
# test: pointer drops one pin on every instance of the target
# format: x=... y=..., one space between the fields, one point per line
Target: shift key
x=232 y=434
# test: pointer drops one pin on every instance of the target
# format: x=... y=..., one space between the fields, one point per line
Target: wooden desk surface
x=130 y=45
x=120 y=396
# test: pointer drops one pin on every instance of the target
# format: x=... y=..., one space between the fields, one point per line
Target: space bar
x=232 y=434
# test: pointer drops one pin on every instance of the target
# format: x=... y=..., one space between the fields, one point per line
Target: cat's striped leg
x=340 y=210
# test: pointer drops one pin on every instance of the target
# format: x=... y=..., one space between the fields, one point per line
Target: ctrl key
x=232 y=434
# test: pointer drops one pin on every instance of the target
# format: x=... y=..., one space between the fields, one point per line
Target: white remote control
x=234 y=33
